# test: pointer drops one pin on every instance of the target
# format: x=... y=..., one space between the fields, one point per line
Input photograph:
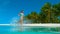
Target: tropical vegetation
x=49 y=14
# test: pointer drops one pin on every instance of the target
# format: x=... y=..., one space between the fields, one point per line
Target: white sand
x=48 y=25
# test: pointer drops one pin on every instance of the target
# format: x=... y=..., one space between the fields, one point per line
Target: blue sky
x=9 y=9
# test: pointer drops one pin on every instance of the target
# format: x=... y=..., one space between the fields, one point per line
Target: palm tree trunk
x=48 y=16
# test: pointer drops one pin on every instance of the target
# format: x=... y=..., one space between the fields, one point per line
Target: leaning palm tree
x=46 y=9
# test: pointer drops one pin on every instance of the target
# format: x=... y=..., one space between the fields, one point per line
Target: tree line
x=49 y=14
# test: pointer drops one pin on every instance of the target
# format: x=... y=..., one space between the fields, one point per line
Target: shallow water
x=27 y=30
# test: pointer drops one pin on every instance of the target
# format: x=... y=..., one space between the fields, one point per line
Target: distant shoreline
x=46 y=25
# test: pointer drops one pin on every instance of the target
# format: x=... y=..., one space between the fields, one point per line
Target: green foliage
x=49 y=14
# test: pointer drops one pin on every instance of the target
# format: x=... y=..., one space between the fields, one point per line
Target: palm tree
x=56 y=11
x=52 y=12
x=47 y=11
x=49 y=14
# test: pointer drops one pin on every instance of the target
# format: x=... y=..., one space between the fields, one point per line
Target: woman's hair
x=22 y=11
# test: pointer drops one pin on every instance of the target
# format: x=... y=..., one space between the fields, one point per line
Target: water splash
x=16 y=20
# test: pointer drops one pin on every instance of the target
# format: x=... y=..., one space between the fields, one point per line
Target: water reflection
x=36 y=29
x=29 y=29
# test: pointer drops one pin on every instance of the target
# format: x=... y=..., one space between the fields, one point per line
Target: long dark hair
x=22 y=11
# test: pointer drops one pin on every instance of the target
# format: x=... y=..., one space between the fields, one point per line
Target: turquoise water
x=27 y=30
x=29 y=33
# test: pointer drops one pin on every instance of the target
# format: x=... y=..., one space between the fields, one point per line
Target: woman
x=21 y=14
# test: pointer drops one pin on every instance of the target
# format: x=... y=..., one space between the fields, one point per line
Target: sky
x=9 y=9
